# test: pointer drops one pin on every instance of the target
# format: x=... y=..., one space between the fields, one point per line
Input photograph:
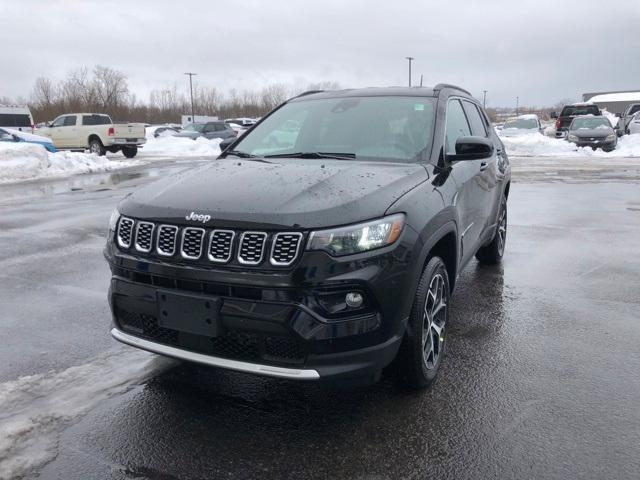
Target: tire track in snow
x=35 y=409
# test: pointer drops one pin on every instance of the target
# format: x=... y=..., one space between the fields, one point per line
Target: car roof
x=370 y=92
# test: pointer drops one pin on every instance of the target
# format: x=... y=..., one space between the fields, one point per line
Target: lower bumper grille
x=232 y=344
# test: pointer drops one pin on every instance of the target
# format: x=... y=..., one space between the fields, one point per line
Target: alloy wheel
x=502 y=231
x=434 y=319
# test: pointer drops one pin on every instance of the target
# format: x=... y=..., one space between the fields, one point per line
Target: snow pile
x=28 y=161
x=36 y=408
x=170 y=146
x=543 y=146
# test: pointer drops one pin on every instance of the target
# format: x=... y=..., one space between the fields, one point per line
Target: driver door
x=468 y=200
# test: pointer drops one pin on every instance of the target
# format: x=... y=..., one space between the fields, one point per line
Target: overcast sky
x=542 y=51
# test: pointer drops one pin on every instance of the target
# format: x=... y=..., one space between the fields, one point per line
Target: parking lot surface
x=541 y=378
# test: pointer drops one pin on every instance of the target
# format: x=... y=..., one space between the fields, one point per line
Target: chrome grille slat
x=191 y=247
x=284 y=248
x=220 y=245
x=125 y=232
x=166 y=241
x=144 y=236
x=251 y=248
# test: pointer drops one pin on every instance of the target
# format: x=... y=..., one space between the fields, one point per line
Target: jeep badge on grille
x=198 y=217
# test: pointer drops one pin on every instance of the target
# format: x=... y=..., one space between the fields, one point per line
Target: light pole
x=410 y=60
x=191 y=74
x=484 y=99
x=517 y=105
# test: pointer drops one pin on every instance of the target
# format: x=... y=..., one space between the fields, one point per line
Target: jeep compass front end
x=308 y=249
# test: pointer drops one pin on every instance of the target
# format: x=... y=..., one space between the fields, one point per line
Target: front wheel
x=423 y=345
x=129 y=152
x=492 y=253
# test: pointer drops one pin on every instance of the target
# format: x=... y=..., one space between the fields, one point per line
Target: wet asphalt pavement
x=541 y=378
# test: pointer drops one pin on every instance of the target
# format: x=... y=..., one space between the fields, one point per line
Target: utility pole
x=191 y=74
x=411 y=59
x=484 y=99
x=420 y=79
x=517 y=105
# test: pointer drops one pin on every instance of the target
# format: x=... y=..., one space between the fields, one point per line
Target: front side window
x=457 y=125
x=58 y=122
x=70 y=121
x=396 y=129
x=477 y=125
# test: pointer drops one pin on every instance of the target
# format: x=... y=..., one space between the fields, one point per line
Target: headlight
x=113 y=220
x=611 y=138
x=358 y=238
x=572 y=137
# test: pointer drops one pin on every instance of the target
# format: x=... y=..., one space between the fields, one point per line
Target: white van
x=16 y=118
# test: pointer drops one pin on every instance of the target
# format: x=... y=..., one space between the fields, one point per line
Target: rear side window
x=70 y=121
x=14 y=120
x=457 y=125
x=477 y=125
x=95 y=120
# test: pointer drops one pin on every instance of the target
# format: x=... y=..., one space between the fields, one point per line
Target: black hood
x=287 y=192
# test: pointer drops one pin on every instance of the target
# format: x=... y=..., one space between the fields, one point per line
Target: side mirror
x=471 y=148
x=554 y=115
x=617 y=115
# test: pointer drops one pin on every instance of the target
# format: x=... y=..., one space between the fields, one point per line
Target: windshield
x=521 y=123
x=365 y=128
x=590 y=122
x=572 y=111
x=194 y=127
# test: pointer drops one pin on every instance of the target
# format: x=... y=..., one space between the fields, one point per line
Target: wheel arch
x=94 y=136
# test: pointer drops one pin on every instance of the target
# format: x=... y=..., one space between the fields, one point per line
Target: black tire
x=95 y=146
x=492 y=253
x=129 y=152
x=418 y=362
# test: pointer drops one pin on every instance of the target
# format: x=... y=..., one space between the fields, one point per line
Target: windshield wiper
x=240 y=154
x=337 y=156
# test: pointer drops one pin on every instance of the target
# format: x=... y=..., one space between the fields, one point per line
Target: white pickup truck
x=96 y=132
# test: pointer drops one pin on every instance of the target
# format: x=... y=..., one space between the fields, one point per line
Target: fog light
x=354 y=300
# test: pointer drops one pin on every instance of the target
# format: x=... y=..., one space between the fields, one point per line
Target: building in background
x=614 y=102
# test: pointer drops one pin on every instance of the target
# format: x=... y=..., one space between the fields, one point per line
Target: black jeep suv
x=325 y=255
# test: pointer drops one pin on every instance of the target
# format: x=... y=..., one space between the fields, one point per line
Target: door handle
x=483 y=166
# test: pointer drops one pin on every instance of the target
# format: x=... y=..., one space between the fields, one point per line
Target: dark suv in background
x=322 y=257
x=569 y=112
x=208 y=130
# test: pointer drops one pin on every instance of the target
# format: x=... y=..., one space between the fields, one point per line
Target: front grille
x=125 y=232
x=252 y=247
x=220 y=245
x=192 y=243
x=167 y=235
x=285 y=248
x=232 y=344
x=144 y=236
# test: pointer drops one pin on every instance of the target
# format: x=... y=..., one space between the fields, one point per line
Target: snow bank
x=181 y=147
x=543 y=146
x=34 y=409
x=28 y=161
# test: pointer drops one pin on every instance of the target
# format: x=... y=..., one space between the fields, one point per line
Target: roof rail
x=442 y=86
x=308 y=92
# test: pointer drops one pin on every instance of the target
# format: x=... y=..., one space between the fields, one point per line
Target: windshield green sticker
x=418 y=107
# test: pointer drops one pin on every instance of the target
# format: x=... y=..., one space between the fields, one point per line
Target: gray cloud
x=541 y=51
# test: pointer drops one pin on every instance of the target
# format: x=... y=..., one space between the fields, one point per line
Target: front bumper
x=600 y=143
x=272 y=322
